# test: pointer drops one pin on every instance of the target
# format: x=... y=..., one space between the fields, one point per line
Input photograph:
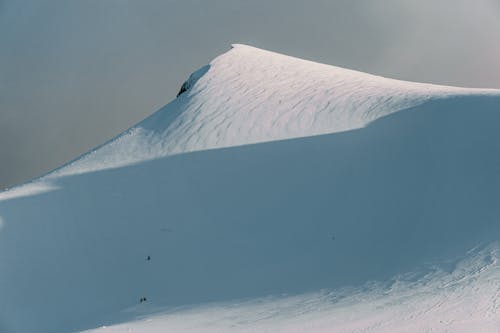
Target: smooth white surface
x=465 y=300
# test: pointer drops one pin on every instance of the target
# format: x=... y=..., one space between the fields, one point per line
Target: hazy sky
x=74 y=73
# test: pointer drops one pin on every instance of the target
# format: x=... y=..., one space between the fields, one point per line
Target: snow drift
x=272 y=193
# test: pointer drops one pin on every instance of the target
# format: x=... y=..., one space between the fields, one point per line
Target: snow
x=274 y=194
x=402 y=305
x=32 y=188
x=248 y=95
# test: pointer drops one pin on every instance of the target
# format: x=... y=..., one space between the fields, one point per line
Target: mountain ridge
x=392 y=214
x=319 y=99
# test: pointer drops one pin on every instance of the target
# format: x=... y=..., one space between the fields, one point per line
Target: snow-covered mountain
x=273 y=194
x=250 y=95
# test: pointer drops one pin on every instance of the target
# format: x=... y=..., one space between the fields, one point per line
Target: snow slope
x=274 y=194
x=441 y=301
x=248 y=95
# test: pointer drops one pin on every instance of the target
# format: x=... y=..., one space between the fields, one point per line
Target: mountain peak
x=396 y=222
x=249 y=95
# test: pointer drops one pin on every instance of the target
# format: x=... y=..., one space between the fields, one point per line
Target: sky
x=75 y=73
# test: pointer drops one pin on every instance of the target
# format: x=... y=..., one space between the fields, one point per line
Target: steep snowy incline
x=249 y=95
x=388 y=222
x=289 y=217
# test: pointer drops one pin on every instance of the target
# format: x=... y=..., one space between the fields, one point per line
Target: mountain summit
x=273 y=194
x=249 y=95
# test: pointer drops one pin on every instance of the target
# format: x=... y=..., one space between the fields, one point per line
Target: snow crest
x=249 y=95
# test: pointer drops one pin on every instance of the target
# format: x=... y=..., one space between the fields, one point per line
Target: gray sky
x=74 y=73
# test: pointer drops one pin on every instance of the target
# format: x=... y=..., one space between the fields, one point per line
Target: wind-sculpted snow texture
x=343 y=216
x=248 y=95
